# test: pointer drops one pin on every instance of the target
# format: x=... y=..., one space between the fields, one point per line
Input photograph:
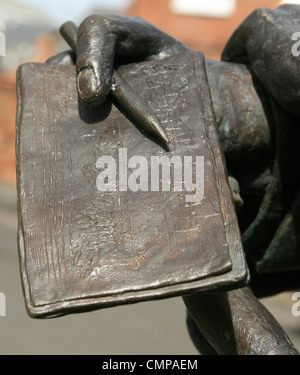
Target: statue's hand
x=104 y=40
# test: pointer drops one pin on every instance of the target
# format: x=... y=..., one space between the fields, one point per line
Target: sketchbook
x=107 y=213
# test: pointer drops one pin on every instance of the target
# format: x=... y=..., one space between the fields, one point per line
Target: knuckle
x=97 y=20
x=262 y=14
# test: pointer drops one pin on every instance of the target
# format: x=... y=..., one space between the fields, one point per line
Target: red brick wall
x=44 y=48
x=7 y=128
x=198 y=33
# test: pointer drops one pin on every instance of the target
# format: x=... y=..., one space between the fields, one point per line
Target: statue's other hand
x=106 y=40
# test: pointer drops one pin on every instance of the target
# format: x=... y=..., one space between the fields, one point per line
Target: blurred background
x=31 y=32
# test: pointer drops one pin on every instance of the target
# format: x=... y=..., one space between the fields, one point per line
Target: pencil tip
x=165 y=137
x=158 y=129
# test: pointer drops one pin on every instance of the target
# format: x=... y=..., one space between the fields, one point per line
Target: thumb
x=95 y=50
x=95 y=56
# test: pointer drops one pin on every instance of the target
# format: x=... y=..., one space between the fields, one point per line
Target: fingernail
x=88 y=86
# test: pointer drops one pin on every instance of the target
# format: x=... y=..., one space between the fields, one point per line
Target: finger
x=68 y=31
x=101 y=39
x=95 y=57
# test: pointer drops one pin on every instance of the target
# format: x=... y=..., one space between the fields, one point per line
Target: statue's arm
x=241 y=108
x=265 y=41
x=236 y=323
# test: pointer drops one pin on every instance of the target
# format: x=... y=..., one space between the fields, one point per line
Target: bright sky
x=76 y=10
x=61 y=10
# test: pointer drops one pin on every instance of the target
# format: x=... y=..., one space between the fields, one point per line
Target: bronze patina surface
x=82 y=249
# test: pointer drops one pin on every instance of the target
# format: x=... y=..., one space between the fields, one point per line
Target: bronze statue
x=255 y=98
